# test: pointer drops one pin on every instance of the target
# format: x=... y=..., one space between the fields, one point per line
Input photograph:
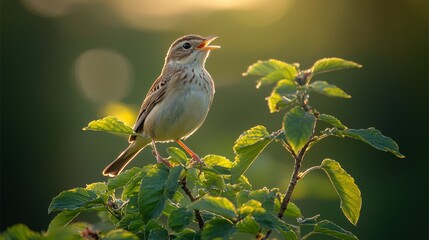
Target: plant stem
x=293 y=180
x=291 y=187
x=193 y=199
x=301 y=175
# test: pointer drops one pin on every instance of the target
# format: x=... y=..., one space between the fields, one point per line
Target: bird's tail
x=125 y=157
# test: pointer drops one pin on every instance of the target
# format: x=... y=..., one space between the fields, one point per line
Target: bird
x=176 y=104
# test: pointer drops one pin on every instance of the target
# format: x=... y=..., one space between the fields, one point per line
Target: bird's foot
x=160 y=159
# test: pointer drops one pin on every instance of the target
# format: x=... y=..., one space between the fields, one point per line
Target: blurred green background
x=67 y=62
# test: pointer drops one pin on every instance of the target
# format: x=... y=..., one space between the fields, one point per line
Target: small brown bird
x=176 y=104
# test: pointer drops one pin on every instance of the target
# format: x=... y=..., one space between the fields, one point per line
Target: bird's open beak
x=205 y=44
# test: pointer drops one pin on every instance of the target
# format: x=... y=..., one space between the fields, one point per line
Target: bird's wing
x=155 y=95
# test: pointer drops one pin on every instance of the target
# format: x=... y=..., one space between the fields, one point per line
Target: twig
x=294 y=179
x=301 y=175
x=193 y=199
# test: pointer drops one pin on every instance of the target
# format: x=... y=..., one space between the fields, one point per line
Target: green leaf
x=172 y=182
x=133 y=185
x=271 y=71
x=72 y=231
x=332 y=64
x=177 y=155
x=326 y=227
x=298 y=126
x=20 y=232
x=213 y=181
x=347 y=190
x=158 y=234
x=269 y=220
x=132 y=205
x=180 y=218
x=122 y=179
x=327 y=89
x=247 y=147
x=72 y=199
x=292 y=210
x=60 y=220
x=374 y=138
x=177 y=197
x=186 y=234
x=265 y=197
x=248 y=207
x=197 y=235
x=155 y=231
x=120 y=234
x=158 y=184
x=132 y=222
x=98 y=187
x=219 y=163
x=109 y=124
x=217 y=205
x=331 y=120
x=282 y=95
x=248 y=225
x=217 y=228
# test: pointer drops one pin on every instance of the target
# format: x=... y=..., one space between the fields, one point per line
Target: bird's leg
x=193 y=155
x=159 y=159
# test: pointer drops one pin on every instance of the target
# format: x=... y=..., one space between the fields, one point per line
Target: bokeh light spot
x=167 y=14
x=51 y=8
x=123 y=112
x=103 y=75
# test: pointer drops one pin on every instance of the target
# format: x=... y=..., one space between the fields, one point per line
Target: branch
x=294 y=179
x=301 y=175
x=193 y=199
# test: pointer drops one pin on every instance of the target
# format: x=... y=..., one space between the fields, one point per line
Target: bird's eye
x=186 y=45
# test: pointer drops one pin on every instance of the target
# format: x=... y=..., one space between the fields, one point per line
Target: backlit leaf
x=120 y=234
x=331 y=120
x=109 y=124
x=60 y=220
x=72 y=199
x=217 y=228
x=298 y=126
x=271 y=71
x=247 y=147
x=177 y=155
x=327 y=89
x=122 y=179
x=328 y=228
x=20 y=232
x=248 y=225
x=219 y=163
x=158 y=185
x=374 y=138
x=217 y=205
x=282 y=95
x=292 y=210
x=347 y=190
x=332 y=64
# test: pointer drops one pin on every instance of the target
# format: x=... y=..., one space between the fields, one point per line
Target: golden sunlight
x=123 y=112
x=164 y=14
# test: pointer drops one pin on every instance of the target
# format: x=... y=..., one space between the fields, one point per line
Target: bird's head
x=190 y=50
